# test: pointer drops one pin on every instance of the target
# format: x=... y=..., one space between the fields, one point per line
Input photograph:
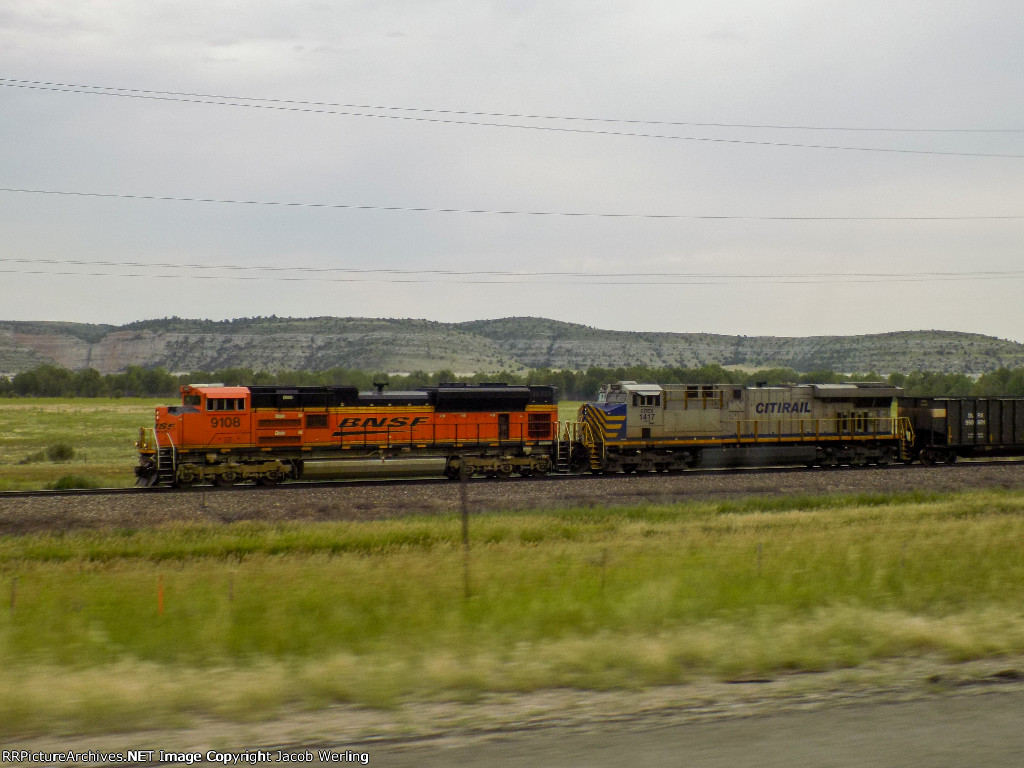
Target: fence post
x=464 y=501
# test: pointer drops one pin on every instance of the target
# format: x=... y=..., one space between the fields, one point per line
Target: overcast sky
x=502 y=112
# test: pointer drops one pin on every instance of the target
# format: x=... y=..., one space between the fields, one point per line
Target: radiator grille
x=279 y=423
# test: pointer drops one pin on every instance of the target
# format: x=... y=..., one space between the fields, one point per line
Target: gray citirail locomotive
x=649 y=427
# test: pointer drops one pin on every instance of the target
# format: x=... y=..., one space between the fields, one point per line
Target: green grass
x=567 y=409
x=100 y=432
x=259 y=617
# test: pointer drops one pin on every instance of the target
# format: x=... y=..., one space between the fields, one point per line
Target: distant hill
x=508 y=344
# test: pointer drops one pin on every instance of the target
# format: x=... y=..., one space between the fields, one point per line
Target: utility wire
x=519 y=273
x=473 y=277
x=468 y=113
x=479 y=123
x=616 y=284
x=499 y=212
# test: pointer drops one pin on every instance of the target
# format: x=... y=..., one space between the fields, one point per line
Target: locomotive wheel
x=579 y=460
x=273 y=477
x=185 y=479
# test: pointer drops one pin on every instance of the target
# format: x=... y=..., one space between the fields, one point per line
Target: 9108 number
x=225 y=422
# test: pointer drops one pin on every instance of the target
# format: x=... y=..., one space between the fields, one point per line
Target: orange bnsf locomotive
x=267 y=434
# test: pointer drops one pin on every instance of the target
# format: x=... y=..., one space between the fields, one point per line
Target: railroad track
x=421 y=481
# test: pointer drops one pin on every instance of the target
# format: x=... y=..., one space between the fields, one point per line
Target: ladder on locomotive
x=166 y=463
x=563 y=456
x=905 y=432
x=570 y=435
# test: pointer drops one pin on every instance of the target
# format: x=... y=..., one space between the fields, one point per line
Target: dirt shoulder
x=506 y=716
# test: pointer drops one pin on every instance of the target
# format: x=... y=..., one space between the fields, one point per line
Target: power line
x=497 y=277
x=479 y=123
x=469 y=113
x=498 y=212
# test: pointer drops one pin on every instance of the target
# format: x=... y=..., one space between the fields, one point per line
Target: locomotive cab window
x=646 y=400
x=195 y=400
x=225 y=403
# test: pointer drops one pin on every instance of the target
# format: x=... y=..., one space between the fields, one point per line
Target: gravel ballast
x=352 y=501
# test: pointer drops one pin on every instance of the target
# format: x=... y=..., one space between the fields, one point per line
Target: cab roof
x=214 y=390
x=632 y=386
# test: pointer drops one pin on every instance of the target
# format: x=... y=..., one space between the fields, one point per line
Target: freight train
x=227 y=435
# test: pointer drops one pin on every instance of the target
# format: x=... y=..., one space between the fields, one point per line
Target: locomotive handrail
x=860 y=428
x=575 y=432
x=907 y=437
x=174 y=451
x=571 y=433
x=146 y=441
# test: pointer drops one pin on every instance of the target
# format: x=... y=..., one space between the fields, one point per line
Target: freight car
x=647 y=427
x=948 y=428
x=227 y=435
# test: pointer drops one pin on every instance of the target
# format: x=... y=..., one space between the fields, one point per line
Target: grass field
x=101 y=432
x=148 y=628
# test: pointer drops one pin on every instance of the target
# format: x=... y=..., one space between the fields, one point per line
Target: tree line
x=54 y=381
